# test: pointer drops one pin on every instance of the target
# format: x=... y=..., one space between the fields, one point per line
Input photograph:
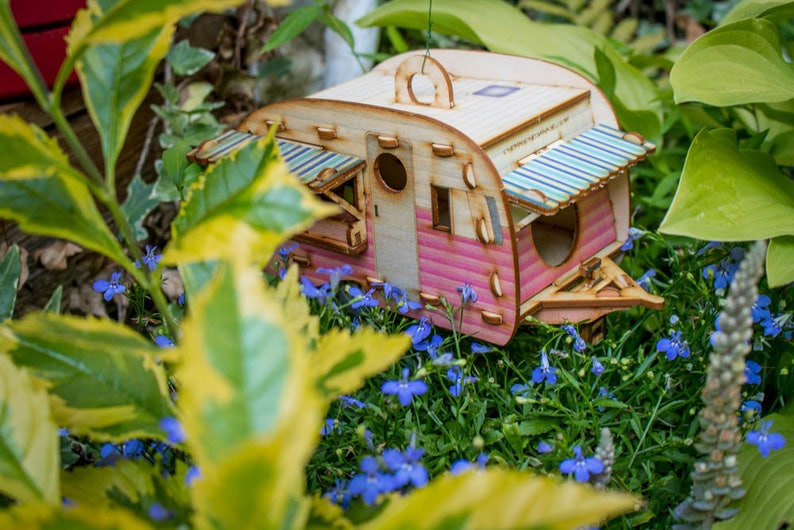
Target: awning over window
x=316 y=167
x=559 y=175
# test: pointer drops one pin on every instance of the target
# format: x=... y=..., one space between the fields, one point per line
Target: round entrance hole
x=554 y=236
x=391 y=171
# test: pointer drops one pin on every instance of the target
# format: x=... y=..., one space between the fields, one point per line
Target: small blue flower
x=339 y=494
x=455 y=375
x=476 y=347
x=371 y=483
x=634 y=234
x=751 y=406
x=760 y=309
x=404 y=389
x=312 y=291
x=752 y=372
x=63 y=433
x=724 y=271
x=467 y=293
x=674 y=346
x=336 y=274
x=163 y=341
x=774 y=325
x=285 y=251
x=158 y=512
x=463 y=465
x=406 y=467
x=544 y=372
x=173 y=430
x=348 y=401
x=597 y=367
x=328 y=427
x=765 y=440
x=133 y=449
x=580 y=466
x=110 y=288
x=192 y=475
x=150 y=259
x=419 y=331
x=404 y=305
x=544 y=447
x=521 y=389
x=578 y=342
x=181 y=300
x=430 y=346
x=362 y=299
x=107 y=449
x=644 y=281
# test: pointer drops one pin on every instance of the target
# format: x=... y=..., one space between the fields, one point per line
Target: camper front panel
x=595 y=230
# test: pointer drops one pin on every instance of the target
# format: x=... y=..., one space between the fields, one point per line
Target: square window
x=442 y=220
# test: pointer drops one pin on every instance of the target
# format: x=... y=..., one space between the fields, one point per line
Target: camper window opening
x=554 y=236
x=391 y=172
x=442 y=220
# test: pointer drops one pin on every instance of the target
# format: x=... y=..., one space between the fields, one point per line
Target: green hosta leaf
x=29 y=456
x=343 y=361
x=115 y=80
x=501 y=499
x=729 y=194
x=774 y=9
x=292 y=26
x=10 y=269
x=503 y=28
x=41 y=191
x=40 y=517
x=186 y=59
x=734 y=65
x=780 y=261
x=12 y=47
x=249 y=406
x=129 y=19
x=140 y=203
x=769 y=482
x=246 y=205
x=128 y=393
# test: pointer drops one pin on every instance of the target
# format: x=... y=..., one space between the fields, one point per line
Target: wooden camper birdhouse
x=505 y=173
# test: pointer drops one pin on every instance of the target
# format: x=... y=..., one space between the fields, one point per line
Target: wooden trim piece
x=443 y=150
x=280 y=126
x=302 y=261
x=388 y=142
x=489 y=317
x=495 y=284
x=482 y=231
x=469 y=178
x=423 y=65
x=326 y=133
x=431 y=299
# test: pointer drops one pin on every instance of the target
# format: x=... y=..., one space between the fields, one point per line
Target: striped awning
x=559 y=175
x=318 y=168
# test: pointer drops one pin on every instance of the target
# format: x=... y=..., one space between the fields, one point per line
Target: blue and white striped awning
x=315 y=166
x=558 y=176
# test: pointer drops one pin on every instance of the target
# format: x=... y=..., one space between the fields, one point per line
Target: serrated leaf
x=29 y=455
x=497 y=499
x=505 y=29
x=296 y=22
x=728 y=194
x=245 y=205
x=248 y=404
x=736 y=64
x=115 y=79
x=41 y=191
x=128 y=393
x=343 y=361
x=186 y=59
x=140 y=203
x=40 y=517
x=774 y=9
x=129 y=19
x=780 y=261
x=12 y=48
x=10 y=270
x=769 y=482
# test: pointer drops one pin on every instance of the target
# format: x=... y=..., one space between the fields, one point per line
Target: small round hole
x=391 y=171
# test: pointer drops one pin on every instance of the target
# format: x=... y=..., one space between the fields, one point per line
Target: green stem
x=647 y=428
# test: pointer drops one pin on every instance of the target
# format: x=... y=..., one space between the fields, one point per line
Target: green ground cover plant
x=261 y=400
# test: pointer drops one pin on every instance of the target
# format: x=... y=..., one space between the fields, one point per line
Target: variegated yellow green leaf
x=10 y=270
x=129 y=19
x=128 y=393
x=41 y=191
x=343 y=360
x=89 y=486
x=245 y=205
x=295 y=309
x=12 y=48
x=41 y=517
x=497 y=499
x=116 y=78
x=29 y=455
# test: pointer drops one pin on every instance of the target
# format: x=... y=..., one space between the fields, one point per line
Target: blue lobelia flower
x=476 y=347
x=371 y=483
x=163 y=341
x=455 y=374
x=335 y=275
x=765 y=440
x=431 y=346
x=544 y=447
x=463 y=465
x=521 y=389
x=310 y=290
x=644 y=281
x=404 y=305
x=752 y=372
x=328 y=427
x=419 y=331
x=760 y=309
x=173 y=430
x=724 y=271
x=404 y=389
x=578 y=342
x=751 y=406
x=634 y=234
x=467 y=293
x=597 y=367
x=158 y=512
x=348 y=401
x=339 y=494
x=110 y=288
x=544 y=372
x=580 y=466
x=674 y=346
x=192 y=475
x=151 y=258
x=406 y=467
x=362 y=299
x=285 y=251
